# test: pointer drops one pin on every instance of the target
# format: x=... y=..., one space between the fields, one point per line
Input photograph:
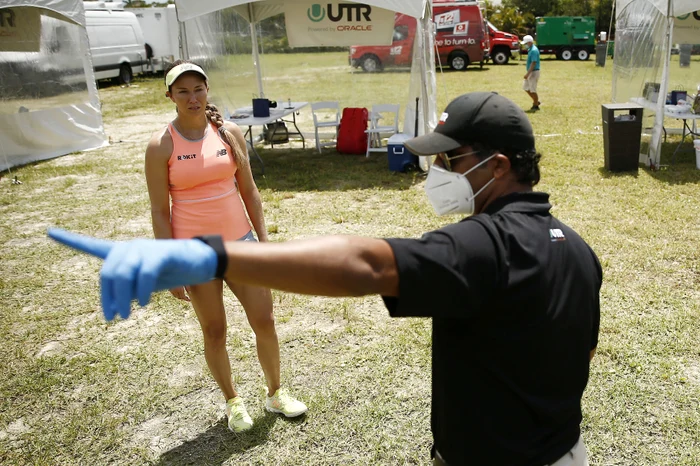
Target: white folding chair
x=389 y=125
x=326 y=115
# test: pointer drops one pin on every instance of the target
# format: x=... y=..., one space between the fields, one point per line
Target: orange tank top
x=203 y=189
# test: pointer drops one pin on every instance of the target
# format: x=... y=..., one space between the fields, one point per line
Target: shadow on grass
x=307 y=170
x=678 y=170
x=387 y=70
x=682 y=170
x=34 y=163
x=607 y=174
x=135 y=80
x=447 y=69
x=218 y=444
x=474 y=66
x=513 y=62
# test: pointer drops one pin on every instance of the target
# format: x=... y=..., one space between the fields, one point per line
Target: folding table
x=244 y=117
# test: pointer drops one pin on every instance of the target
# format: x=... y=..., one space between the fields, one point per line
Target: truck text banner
x=314 y=24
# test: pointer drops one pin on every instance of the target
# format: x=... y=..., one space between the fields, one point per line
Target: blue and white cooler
x=400 y=158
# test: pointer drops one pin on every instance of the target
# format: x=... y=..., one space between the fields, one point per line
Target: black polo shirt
x=514 y=297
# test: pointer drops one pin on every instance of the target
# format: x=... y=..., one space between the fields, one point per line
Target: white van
x=116 y=41
x=161 y=31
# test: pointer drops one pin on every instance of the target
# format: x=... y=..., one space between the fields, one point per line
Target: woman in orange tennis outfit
x=199 y=182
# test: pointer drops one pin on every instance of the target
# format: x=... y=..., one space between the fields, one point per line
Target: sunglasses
x=446 y=157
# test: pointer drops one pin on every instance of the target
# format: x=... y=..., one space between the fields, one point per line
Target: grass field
x=76 y=390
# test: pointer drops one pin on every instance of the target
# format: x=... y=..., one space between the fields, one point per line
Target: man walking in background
x=533 y=71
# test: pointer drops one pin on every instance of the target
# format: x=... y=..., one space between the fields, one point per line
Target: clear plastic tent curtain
x=638 y=65
x=49 y=104
x=645 y=69
x=222 y=42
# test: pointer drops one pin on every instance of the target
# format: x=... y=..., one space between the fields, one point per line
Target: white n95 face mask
x=451 y=193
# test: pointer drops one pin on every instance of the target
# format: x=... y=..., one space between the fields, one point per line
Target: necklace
x=193 y=134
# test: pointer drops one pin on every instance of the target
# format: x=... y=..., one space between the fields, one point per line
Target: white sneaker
x=238 y=418
x=282 y=402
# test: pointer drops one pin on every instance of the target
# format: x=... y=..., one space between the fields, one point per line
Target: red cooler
x=400 y=158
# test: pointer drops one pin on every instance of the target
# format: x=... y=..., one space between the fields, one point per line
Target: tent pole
x=184 y=51
x=663 y=90
x=427 y=111
x=612 y=18
x=182 y=37
x=256 y=55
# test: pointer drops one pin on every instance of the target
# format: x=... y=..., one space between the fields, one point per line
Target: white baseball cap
x=527 y=40
x=175 y=73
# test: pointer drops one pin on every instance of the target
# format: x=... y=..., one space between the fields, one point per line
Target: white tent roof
x=71 y=9
x=256 y=10
x=678 y=7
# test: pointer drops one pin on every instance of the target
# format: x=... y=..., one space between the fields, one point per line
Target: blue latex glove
x=135 y=269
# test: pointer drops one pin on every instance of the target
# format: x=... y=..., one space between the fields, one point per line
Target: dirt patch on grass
x=78 y=265
x=30 y=242
x=49 y=349
x=183 y=373
x=140 y=227
x=190 y=415
x=692 y=372
x=14 y=430
x=138 y=128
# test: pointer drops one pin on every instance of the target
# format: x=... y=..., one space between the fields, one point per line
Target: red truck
x=460 y=37
x=504 y=46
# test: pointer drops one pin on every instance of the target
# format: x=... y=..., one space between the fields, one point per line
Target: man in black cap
x=512 y=291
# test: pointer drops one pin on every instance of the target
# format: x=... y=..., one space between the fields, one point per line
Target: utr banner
x=311 y=24
x=686 y=29
x=20 y=30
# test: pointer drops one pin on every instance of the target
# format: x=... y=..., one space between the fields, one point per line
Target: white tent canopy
x=257 y=10
x=643 y=43
x=49 y=104
x=422 y=83
x=670 y=7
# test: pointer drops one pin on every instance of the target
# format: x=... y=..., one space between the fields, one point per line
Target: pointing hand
x=135 y=269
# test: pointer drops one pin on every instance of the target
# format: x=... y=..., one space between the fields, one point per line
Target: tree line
x=518 y=16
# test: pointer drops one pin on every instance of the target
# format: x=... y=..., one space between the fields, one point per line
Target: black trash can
x=622 y=134
x=600 y=50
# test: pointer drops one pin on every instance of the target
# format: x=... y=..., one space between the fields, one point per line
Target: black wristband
x=217 y=244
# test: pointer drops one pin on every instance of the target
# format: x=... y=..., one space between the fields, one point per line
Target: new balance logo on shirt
x=555 y=234
x=221 y=153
